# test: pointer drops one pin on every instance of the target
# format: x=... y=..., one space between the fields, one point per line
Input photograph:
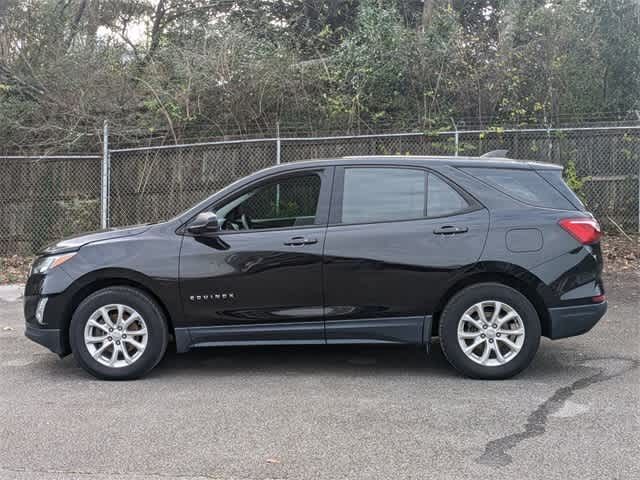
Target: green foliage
x=194 y=69
x=370 y=70
x=573 y=180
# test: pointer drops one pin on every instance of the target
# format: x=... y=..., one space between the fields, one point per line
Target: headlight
x=44 y=264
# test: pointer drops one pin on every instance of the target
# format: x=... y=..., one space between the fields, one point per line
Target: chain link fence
x=151 y=184
x=45 y=198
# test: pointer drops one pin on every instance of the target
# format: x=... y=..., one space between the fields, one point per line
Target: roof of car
x=490 y=162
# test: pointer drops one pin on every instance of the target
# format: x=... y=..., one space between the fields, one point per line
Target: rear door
x=396 y=239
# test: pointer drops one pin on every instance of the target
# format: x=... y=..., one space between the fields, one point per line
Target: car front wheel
x=118 y=333
x=489 y=331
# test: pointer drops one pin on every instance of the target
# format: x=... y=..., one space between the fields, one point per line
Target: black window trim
x=326 y=175
x=335 y=212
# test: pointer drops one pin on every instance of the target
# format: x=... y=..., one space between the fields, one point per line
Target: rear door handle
x=450 y=230
x=298 y=241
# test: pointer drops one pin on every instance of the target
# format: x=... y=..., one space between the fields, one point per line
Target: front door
x=397 y=238
x=259 y=279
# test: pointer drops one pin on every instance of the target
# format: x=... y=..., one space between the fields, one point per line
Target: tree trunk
x=427 y=14
x=507 y=27
x=75 y=26
x=156 y=29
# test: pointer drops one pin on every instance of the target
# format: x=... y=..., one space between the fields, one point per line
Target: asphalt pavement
x=327 y=412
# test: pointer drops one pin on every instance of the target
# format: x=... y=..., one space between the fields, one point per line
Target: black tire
x=465 y=299
x=141 y=303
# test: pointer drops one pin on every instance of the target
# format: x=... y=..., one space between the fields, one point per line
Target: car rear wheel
x=118 y=333
x=489 y=331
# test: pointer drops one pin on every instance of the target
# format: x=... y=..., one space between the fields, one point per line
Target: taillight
x=585 y=230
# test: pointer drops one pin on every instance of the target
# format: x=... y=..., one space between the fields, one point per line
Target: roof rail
x=496 y=153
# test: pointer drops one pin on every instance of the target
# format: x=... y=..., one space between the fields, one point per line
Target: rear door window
x=383 y=194
x=524 y=185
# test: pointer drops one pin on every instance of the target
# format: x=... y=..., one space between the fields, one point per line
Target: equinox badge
x=212 y=296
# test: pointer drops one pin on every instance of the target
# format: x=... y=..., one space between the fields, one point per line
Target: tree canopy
x=171 y=71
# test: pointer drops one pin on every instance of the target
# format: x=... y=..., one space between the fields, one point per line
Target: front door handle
x=297 y=241
x=450 y=230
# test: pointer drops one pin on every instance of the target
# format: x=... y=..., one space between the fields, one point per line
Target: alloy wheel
x=491 y=333
x=116 y=335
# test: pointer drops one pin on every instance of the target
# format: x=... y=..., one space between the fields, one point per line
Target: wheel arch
x=507 y=274
x=97 y=280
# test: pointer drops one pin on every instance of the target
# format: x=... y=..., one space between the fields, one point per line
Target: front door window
x=283 y=203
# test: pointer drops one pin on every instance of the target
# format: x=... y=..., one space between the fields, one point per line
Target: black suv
x=487 y=254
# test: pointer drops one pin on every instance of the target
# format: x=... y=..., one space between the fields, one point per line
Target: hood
x=74 y=243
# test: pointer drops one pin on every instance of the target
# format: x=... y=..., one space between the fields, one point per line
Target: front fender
x=62 y=304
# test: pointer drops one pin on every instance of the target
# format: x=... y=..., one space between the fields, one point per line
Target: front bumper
x=52 y=338
x=52 y=332
x=576 y=320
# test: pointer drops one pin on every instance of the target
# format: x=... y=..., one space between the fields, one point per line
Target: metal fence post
x=456 y=139
x=105 y=180
x=278 y=160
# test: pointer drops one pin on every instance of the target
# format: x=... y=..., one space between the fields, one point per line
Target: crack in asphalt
x=495 y=452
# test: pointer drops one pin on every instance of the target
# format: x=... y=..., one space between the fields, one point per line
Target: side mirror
x=205 y=222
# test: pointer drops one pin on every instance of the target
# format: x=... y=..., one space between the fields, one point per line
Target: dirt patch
x=14 y=269
x=621 y=253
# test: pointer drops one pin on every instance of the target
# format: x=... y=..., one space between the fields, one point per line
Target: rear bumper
x=572 y=321
x=47 y=337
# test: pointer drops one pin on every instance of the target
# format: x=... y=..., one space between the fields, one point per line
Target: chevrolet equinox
x=488 y=254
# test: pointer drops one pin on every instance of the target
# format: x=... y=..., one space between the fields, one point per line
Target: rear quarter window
x=524 y=185
x=554 y=177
